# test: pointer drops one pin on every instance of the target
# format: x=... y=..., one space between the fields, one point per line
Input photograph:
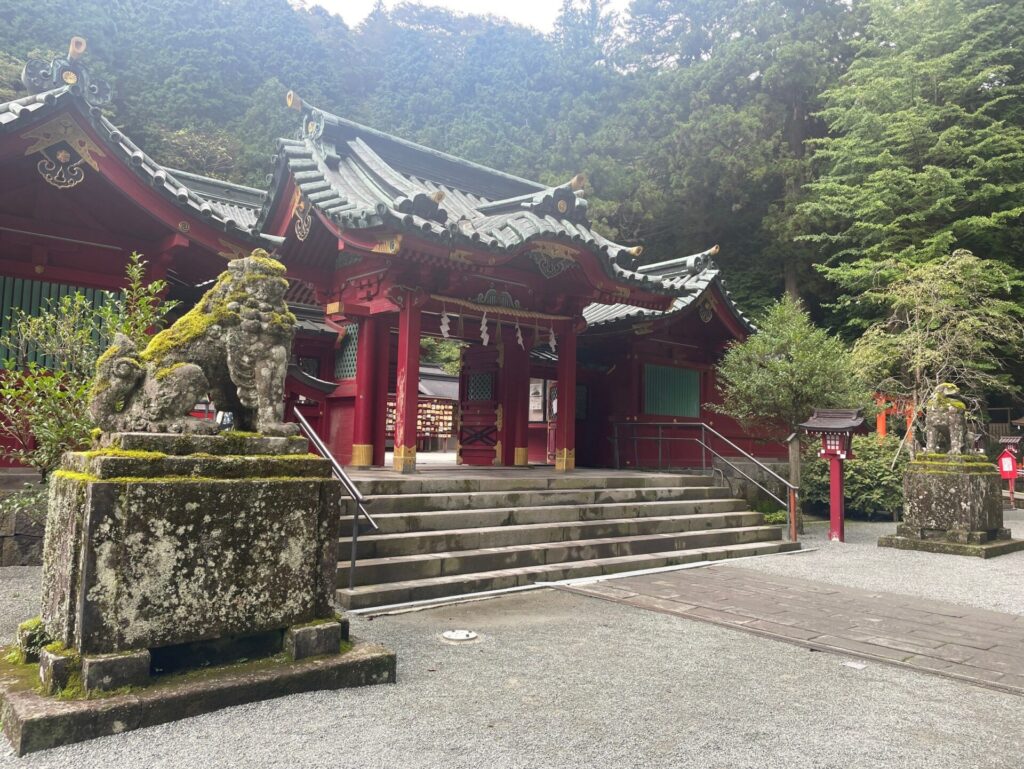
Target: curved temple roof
x=694 y=275
x=359 y=177
x=234 y=207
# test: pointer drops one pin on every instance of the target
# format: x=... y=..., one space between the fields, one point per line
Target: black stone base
x=33 y=722
x=978 y=550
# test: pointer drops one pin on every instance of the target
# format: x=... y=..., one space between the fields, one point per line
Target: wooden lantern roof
x=835 y=421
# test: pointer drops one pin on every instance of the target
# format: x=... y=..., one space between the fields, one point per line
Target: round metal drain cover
x=459 y=636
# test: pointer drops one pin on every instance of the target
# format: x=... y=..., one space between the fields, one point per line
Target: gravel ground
x=994 y=583
x=562 y=680
x=19 y=598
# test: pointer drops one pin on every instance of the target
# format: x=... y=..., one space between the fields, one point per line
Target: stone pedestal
x=167 y=551
x=952 y=504
x=161 y=540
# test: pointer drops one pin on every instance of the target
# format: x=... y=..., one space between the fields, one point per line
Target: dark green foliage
x=926 y=151
x=776 y=378
x=693 y=120
x=872 y=485
x=445 y=353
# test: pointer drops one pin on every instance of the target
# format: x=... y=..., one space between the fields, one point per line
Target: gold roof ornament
x=293 y=101
x=578 y=182
x=76 y=47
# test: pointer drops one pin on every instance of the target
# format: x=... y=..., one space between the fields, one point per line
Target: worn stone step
x=418 y=503
x=393 y=545
x=441 y=520
x=423 y=566
x=439 y=587
x=522 y=480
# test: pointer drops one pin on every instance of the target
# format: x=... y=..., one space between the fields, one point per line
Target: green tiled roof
x=363 y=178
x=233 y=207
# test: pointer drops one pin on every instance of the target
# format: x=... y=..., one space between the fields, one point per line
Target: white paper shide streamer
x=446 y=323
x=552 y=341
x=519 y=337
x=484 y=336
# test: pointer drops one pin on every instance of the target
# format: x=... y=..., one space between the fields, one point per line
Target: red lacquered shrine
x=574 y=353
x=397 y=241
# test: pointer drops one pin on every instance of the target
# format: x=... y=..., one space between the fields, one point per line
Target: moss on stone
x=31 y=624
x=203 y=479
x=124 y=453
x=191 y=326
x=71 y=475
x=166 y=371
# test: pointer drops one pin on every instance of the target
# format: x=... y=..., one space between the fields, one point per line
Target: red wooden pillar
x=565 y=425
x=520 y=369
x=836 y=527
x=367 y=393
x=407 y=387
x=883 y=411
x=513 y=393
x=381 y=362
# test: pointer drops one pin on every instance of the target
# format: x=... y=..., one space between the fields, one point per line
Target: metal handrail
x=793 y=490
x=350 y=488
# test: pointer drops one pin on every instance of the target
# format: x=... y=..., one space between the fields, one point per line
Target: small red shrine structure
x=385 y=241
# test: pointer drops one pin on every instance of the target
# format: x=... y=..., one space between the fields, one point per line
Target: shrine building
x=574 y=352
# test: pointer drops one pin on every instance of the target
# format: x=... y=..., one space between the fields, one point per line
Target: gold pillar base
x=362 y=454
x=405 y=459
x=565 y=460
x=522 y=456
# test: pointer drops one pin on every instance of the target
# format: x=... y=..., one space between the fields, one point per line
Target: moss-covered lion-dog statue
x=945 y=416
x=234 y=346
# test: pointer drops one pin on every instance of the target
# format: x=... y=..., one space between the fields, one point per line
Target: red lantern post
x=836 y=428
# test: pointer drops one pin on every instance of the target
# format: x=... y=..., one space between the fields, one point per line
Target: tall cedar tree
x=926 y=152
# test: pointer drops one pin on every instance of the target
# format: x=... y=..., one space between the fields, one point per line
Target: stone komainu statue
x=945 y=413
x=233 y=345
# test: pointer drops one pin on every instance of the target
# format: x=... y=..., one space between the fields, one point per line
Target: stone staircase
x=443 y=536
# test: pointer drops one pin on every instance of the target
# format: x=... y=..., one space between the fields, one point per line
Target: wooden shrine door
x=479 y=423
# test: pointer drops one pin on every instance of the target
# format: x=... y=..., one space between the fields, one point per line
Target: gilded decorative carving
x=642 y=329
x=231 y=250
x=554 y=250
x=390 y=245
x=496 y=462
x=706 y=309
x=462 y=257
x=303 y=218
x=550 y=266
x=65 y=147
x=496 y=298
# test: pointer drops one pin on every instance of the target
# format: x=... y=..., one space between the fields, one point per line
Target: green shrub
x=872 y=485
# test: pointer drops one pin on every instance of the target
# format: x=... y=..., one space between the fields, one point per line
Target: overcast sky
x=539 y=14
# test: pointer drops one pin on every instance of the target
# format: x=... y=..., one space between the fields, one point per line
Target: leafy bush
x=872 y=485
x=44 y=408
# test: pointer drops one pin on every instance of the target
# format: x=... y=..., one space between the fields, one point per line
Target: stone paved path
x=976 y=645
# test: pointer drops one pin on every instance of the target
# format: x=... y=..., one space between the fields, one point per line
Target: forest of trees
x=825 y=144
